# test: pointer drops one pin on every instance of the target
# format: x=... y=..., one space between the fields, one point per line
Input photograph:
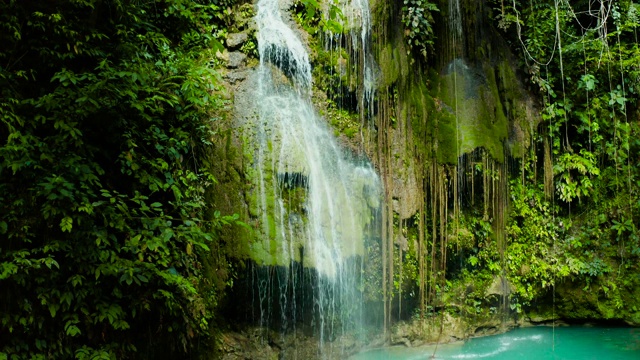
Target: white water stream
x=316 y=201
x=356 y=23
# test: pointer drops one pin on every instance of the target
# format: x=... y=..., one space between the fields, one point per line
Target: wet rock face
x=236 y=59
x=418 y=332
x=233 y=59
x=500 y=286
x=264 y=344
x=234 y=77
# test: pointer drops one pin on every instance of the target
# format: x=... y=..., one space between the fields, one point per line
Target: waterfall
x=315 y=202
x=455 y=28
x=278 y=43
x=356 y=21
x=359 y=13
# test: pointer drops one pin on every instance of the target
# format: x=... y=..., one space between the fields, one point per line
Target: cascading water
x=455 y=28
x=358 y=14
x=315 y=203
x=356 y=22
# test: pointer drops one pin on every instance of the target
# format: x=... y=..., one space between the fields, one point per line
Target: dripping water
x=317 y=202
x=356 y=38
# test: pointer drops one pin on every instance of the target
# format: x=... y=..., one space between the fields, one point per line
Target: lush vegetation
x=583 y=232
x=557 y=217
x=417 y=18
x=572 y=243
x=109 y=249
x=105 y=234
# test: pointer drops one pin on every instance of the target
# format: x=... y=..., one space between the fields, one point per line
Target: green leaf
x=473 y=260
x=48 y=262
x=71 y=329
x=53 y=309
x=66 y=224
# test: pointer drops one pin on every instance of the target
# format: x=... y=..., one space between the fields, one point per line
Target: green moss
x=471 y=114
x=389 y=69
x=447 y=148
x=333 y=73
x=516 y=149
x=417 y=106
x=253 y=203
x=343 y=122
x=515 y=108
x=273 y=227
x=394 y=64
x=265 y=248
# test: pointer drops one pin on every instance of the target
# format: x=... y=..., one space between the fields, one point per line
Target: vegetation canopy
x=105 y=112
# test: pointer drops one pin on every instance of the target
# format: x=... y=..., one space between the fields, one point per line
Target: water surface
x=567 y=343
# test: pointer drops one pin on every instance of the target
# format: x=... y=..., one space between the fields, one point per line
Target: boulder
x=500 y=286
x=236 y=40
x=233 y=60
x=236 y=59
x=235 y=76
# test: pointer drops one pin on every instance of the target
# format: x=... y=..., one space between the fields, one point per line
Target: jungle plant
x=417 y=18
x=312 y=19
x=105 y=114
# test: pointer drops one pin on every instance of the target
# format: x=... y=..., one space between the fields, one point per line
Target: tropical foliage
x=417 y=18
x=585 y=231
x=105 y=111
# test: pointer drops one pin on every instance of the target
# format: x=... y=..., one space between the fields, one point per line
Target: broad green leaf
x=66 y=224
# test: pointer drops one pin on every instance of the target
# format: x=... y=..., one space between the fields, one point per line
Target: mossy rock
x=471 y=113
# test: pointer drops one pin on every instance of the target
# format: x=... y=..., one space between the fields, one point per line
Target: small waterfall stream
x=357 y=14
x=356 y=23
x=316 y=202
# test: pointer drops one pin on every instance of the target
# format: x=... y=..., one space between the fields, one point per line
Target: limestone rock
x=402 y=242
x=263 y=344
x=233 y=59
x=500 y=286
x=236 y=40
x=224 y=56
x=405 y=186
x=235 y=76
x=342 y=66
x=539 y=318
x=236 y=59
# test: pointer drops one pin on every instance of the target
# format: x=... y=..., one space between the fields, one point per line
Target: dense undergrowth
x=572 y=246
x=580 y=235
x=105 y=134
